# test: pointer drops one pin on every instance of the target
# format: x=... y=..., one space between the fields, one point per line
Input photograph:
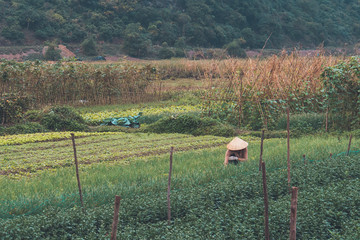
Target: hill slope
x=138 y=24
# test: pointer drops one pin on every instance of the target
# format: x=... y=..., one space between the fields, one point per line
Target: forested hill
x=138 y=24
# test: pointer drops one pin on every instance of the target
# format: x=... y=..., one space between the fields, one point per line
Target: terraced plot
x=29 y=158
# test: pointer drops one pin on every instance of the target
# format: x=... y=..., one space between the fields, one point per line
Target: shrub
x=235 y=48
x=63 y=118
x=89 y=47
x=34 y=115
x=12 y=107
x=342 y=89
x=23 y=128
x=191 y=124
x=305 y=123
x=52 y=54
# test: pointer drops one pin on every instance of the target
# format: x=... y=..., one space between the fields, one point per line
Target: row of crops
x=209 y=201
x=98 y=116
x=27 y=159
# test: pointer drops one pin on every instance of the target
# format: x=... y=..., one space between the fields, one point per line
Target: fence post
x=348 y=151
x=116 y=218
x=288 y=147
x=261 y=148
x=304 y=158
x=169 y=185
x=266 y=202
x=77 y=170
x=293 y=212
x=326 y=120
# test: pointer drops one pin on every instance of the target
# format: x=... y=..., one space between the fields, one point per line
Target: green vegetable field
x=39 y=197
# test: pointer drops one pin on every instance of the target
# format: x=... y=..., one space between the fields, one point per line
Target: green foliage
x=23 y=128
x=185 y=23
x=235 y=49
x=12 y=108
x=208 y=201
x=89 y=47
x=52 y=54
x=303 y=123
x=136 y=41
x=191 y=124
x=63 y=118
x=342 y=89
x=13 y=33
x=166 y=52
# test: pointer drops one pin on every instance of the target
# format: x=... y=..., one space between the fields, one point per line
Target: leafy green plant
x=342 y=89
x=89 y=47
x=12 y=108
x=191 y=124
x=23 y=128
x=63 y=118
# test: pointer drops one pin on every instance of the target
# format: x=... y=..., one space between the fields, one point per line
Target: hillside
x=139 y=25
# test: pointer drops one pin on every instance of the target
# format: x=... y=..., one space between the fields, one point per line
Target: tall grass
x=258 y=90
x=68 y=82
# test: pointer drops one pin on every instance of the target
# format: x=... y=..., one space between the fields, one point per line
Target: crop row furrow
x=93 y=149
x=29 y=148
x=52 y=164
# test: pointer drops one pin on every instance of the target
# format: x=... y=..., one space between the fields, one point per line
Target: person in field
x=236 y=151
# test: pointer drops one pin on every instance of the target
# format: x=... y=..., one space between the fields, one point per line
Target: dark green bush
x=342 y=90
x=305 y=123
x=63 y=118
x=191 y=124
x=88 y=47
x=34 y=115
x=52 y=54
x=23 y=128
x=12 y=108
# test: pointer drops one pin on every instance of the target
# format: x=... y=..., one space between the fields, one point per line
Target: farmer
x=237 y=151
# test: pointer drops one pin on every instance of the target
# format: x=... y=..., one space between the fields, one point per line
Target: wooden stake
x=326 y=120
x=288 y=146
x=77 y=170
x=169 y=185
x=261 y=148
x=116 y=218
x=293 y=213
x=304 y=158
x=348 y=151
x=266 y=202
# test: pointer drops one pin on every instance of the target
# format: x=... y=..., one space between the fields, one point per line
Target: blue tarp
x=130 y=121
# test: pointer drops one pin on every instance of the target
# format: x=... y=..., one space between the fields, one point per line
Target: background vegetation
x=143 y=26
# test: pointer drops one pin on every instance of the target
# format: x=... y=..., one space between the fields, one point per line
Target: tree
x=89 y=47
x=52 y=54
x=136 y=41
x=235 y=49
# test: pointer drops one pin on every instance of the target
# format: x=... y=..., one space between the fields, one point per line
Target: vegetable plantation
x=209 y=201
x=39 y=197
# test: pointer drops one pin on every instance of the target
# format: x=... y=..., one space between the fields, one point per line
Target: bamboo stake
x=293 y=213
x=169 y=185
x=326 y=120
x=304 y=158
x=266 y=202
x=77 y=170
x=116 y=218
x=348 y=151
x=288 y=146
x=261 y=148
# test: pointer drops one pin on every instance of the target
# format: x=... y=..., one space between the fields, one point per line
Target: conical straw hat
x=237 y=144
